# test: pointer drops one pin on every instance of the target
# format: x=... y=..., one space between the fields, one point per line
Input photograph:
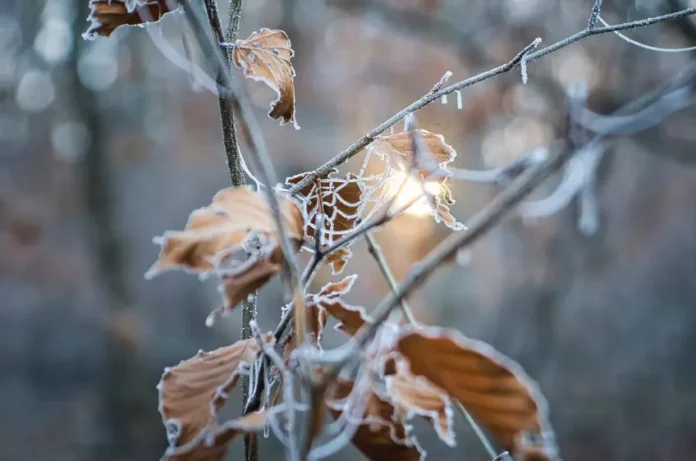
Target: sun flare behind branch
x=409 y=192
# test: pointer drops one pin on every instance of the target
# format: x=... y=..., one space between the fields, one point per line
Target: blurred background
x=106 y=144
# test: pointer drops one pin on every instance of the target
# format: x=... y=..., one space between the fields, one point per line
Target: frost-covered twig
x=233 y=156
x=376 y=252
x=502 y=174
x=578 y=171
x=648 y=47
x=594 y=14
x=229 y=133
x=647 y=117
x=357 y=146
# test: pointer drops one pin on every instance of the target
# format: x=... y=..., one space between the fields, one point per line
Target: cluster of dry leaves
x=404 y=372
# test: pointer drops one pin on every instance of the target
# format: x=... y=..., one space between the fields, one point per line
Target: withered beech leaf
x=339 y=202
x=493 y=388
x=398 y=149
x=350 y=318
x=238 y=223
x=379 y=437
x=191 y=393
x=440 y=205
x=211 y=444
x=338 y=259
x=265 y=56
x=411 y=395
x=107 y=15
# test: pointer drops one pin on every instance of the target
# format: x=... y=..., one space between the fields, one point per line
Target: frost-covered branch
x=528 y=56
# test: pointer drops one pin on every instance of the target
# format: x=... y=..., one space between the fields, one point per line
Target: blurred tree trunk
x=125 y=393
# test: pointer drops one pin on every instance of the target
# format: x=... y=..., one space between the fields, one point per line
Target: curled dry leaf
x=211 y=444
x=398 y=149
x=338 y=201
x=107 y=15
x=191 y=393
x=265 y=56
x=350 y=318
x=338 y=259
x=494 y=389
x=328 y=296
x=379 y=437
x=411 y=395
x=430 y=165
x=237 y=224
x=440 y=204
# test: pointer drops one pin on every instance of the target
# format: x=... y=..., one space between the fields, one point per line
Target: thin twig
x=594 y=14
x=504 y=456
x=377 y=254
x=229 y=134
x=358 y=145
x=233 y=156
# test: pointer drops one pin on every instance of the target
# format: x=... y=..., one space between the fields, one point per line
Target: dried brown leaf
x=107 y=15
x=192 y=392
x=211 y=444
x=398 y=148
x=240 y=283
x=265 y=56
x=411 y=395
x=350 y=318
x=220 y=235
x=378 y=437
x=493 y=388
x=338 y=259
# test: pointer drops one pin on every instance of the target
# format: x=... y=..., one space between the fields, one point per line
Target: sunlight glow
x=410 y=191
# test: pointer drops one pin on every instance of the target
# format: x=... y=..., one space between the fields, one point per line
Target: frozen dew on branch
x=523 y=61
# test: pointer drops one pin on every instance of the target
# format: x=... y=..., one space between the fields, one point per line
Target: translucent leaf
x=107 y=15
x=440 y=205
x=191 y=393
x=265 y=56
x=398 y=148
x=234 y=236
x=494 y=389
x=211 y=444
x=378 y=437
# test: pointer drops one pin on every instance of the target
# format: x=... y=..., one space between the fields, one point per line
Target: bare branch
x=504 y=456
x=441 y=83
x=578 y=171
x=377 y=254
x=229 y=134
x=647 y=117
x=594 y=14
